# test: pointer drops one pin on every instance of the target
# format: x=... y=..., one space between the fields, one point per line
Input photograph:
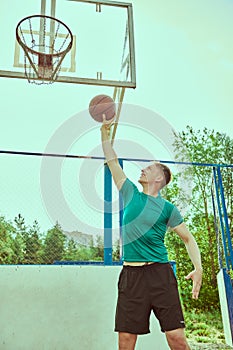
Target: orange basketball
x=102 y=104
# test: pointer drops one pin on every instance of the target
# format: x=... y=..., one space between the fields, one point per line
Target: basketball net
x=44 y=50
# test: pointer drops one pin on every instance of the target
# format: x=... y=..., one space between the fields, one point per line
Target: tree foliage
x=203 y=147
x=6 y=241
x=25 y=244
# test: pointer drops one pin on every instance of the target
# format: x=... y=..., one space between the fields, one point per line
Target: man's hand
x=196 y=276
x=106 y=126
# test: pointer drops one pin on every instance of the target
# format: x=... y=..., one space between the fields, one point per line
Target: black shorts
x=145 y=288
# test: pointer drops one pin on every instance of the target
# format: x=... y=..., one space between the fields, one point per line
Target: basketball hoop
x=44 y=49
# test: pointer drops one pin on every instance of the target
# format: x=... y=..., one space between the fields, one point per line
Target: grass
x=205 y=328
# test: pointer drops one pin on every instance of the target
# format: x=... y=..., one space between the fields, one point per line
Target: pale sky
x=184 y=71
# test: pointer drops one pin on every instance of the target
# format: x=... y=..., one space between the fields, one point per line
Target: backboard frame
x=130 y=83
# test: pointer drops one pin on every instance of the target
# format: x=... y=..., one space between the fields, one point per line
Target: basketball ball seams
x=100 y=99
x=104 y=108
x=102 y=104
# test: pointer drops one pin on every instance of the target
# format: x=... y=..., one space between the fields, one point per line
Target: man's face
x=150 y=174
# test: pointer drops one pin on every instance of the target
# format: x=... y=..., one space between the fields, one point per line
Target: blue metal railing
x=223 y=218
x=107 y=216
x=227 y=244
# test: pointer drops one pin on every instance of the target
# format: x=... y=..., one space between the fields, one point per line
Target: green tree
x=98 y=250
x=206 y=146
x=6 y=242
x=19 y=245
x=71 y=252
x=54 y=245
x=116 y=250
x=33 y=245
x=85 y=253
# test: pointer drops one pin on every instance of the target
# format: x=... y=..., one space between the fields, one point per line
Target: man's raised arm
x=117 y=172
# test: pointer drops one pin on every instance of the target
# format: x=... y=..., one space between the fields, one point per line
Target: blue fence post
x=225 y=284
x=121 y=208
x=225 y=216
x=216 y=225
x=224 y=240
x=107 y=216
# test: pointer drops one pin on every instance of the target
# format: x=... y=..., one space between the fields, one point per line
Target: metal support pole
x=225 y=216
x=220 y=218
x=216 y=226
x=107 y=216
x=121 y=209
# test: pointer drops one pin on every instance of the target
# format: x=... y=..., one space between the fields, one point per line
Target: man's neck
x=150 y=190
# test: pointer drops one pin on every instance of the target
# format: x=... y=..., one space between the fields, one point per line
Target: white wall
x=63 y=308
x=224 y=307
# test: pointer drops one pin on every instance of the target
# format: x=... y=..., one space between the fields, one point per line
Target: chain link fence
x=48 y=215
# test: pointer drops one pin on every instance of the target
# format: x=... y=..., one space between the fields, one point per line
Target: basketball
x=102 y=104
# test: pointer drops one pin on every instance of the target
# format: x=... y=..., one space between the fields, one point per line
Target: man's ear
x=159 y=178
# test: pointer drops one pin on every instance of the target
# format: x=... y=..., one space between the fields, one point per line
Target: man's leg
x=126 y=341
x=177 y=340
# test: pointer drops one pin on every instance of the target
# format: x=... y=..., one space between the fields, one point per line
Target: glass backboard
x=103 y=40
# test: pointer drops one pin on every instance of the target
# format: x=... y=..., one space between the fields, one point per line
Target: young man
x=147 y=281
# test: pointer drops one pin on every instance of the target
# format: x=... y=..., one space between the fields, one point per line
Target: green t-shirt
x=145 y=222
